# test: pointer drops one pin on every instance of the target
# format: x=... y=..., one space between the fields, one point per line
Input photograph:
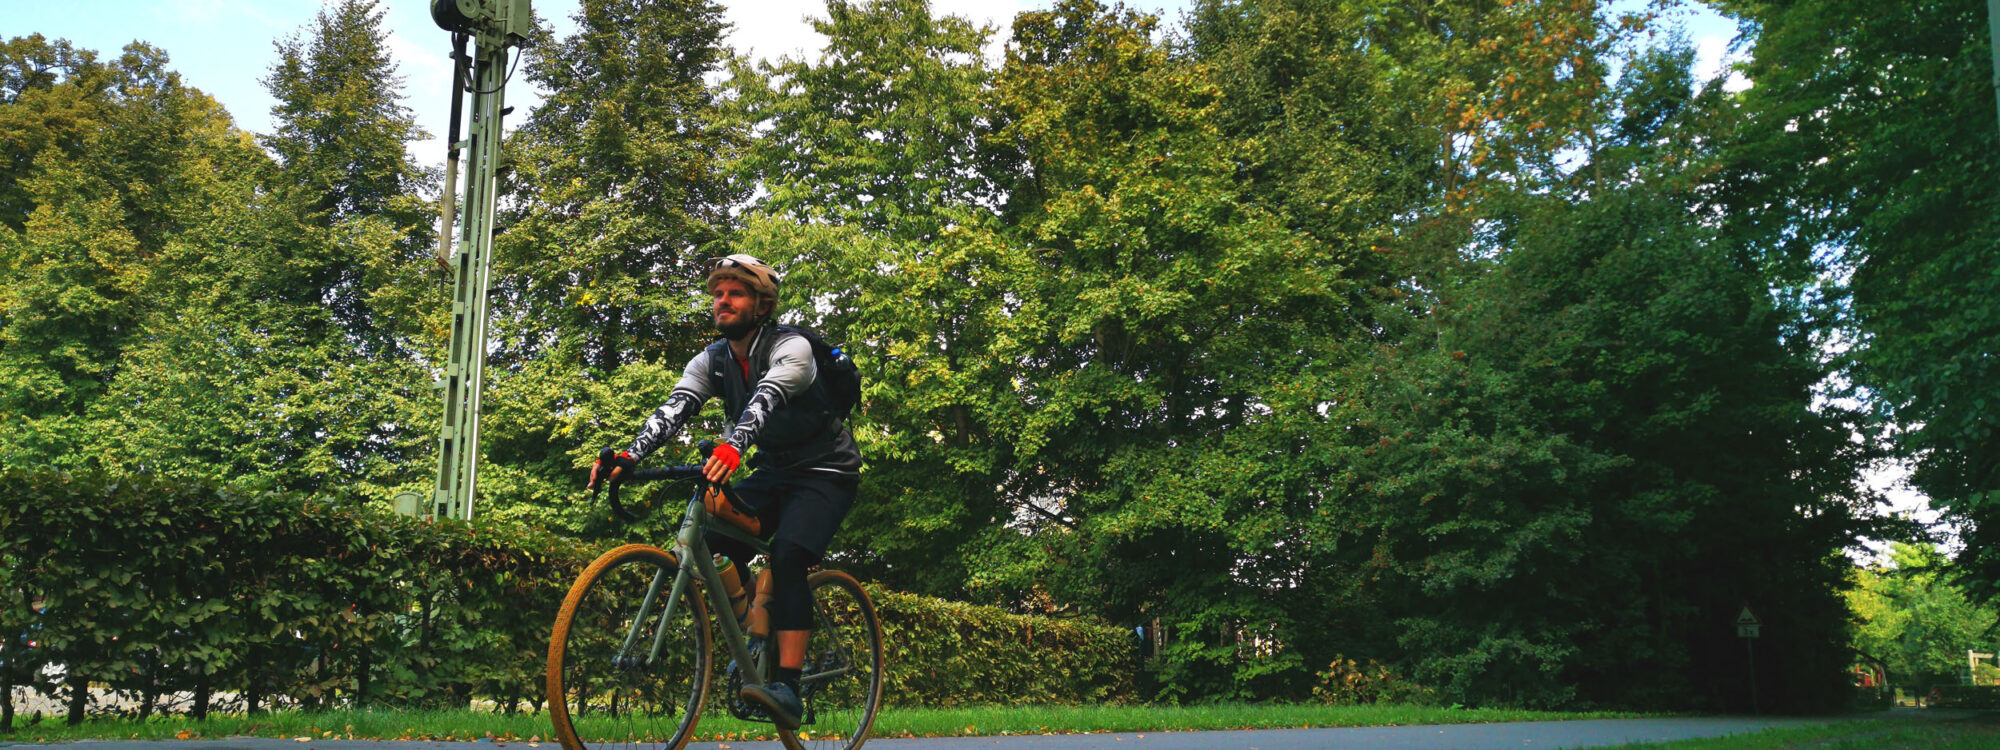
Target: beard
x=742 y=327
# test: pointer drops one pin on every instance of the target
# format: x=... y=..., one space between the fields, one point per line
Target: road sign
x=1747 y=624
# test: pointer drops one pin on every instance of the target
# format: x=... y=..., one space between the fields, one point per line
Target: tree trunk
x=79 y=698
x=201 y=697
x=361 y=681
x=148 y=696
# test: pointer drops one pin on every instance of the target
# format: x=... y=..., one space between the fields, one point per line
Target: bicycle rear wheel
x=842 y=683
x=606 y=689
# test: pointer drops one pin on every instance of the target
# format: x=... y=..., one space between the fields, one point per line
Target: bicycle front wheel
x=842 y=681
x=624 y=669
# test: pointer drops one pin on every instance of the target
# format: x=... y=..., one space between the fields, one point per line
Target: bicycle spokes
x=842 y=681
x=626 y=664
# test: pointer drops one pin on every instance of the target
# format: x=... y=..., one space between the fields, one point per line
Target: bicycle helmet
x=760 y=277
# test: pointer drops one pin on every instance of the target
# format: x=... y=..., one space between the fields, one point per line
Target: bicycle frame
x=696 y=561
x=827 y=703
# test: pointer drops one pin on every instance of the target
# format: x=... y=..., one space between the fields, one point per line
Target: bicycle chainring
x=738 y=707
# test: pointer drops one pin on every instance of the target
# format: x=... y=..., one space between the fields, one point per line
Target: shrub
x=1965 y=696
x=943 y=653
x=1345 y=682
x=157 y=588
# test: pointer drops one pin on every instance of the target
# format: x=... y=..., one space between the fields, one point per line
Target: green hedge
x=155 y=588
x=1966 y=696
x=943 y=653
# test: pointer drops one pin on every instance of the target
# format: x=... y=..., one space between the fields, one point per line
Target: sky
x=227 y=47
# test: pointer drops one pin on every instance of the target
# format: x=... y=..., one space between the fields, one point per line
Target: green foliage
x=1913 y=617
x=50 y=95
x=341 y=124
x=346 y=270
x=1345 y=682
x=160 y=586
x=1653 y=431
x=877 y=164
x=1222 y=341
x=1307 y=334
x=1149 y=339
x=616 y=198
x=1966 y=696
x=185 y=307
x=143 y=173
x=1876 y=165
x=942 y=653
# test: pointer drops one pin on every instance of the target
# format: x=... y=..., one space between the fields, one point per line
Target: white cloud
x=774 y=28
x=1711 y=56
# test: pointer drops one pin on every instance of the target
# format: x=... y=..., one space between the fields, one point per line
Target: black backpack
x=836 y=371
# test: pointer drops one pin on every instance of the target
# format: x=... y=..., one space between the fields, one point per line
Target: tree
x=280 y=344
x=1149 y=333
x=341 y=143
x=618 y=196
x=1380 y=125
x=875 y=164
x=1702 y=476
x=145 y=162
x=341 y=124
x=347 y=296
x=1060 y=312
x=1870 y=152
x=49 y=93
x=1671 y=403
x=1911 y=616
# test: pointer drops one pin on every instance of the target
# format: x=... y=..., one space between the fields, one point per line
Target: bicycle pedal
x=740 y=708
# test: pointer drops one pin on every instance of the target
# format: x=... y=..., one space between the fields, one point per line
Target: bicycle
x=626 y=668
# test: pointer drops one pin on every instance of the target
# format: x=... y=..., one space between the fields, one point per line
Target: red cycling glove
x=729 y=457
x=725 y=457
x=606 y=461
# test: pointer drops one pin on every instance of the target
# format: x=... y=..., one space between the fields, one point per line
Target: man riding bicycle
x=807 y=464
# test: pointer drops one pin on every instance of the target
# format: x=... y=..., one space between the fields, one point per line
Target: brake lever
x=707 y=448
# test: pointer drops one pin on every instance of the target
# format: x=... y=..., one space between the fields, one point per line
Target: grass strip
x=1880 y=734
x=984 y=721
x=715 y=726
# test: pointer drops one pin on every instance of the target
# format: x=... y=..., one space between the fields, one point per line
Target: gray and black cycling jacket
x=778 y=405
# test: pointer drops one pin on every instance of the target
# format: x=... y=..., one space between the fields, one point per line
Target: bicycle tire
x=622 y=705
x=846 y=639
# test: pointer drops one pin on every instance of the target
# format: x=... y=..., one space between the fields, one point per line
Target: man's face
x=734 y=307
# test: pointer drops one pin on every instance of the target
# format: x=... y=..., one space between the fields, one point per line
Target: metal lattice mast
x=1993 y=31
x=494 y=26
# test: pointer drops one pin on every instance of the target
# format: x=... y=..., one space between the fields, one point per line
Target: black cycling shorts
x=801 y=507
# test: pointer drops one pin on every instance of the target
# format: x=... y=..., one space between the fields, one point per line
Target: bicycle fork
x=626 y=658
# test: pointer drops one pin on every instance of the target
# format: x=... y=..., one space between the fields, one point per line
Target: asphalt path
x=1526 y=735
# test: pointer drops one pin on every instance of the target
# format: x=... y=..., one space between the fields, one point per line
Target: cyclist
x=807 y=464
